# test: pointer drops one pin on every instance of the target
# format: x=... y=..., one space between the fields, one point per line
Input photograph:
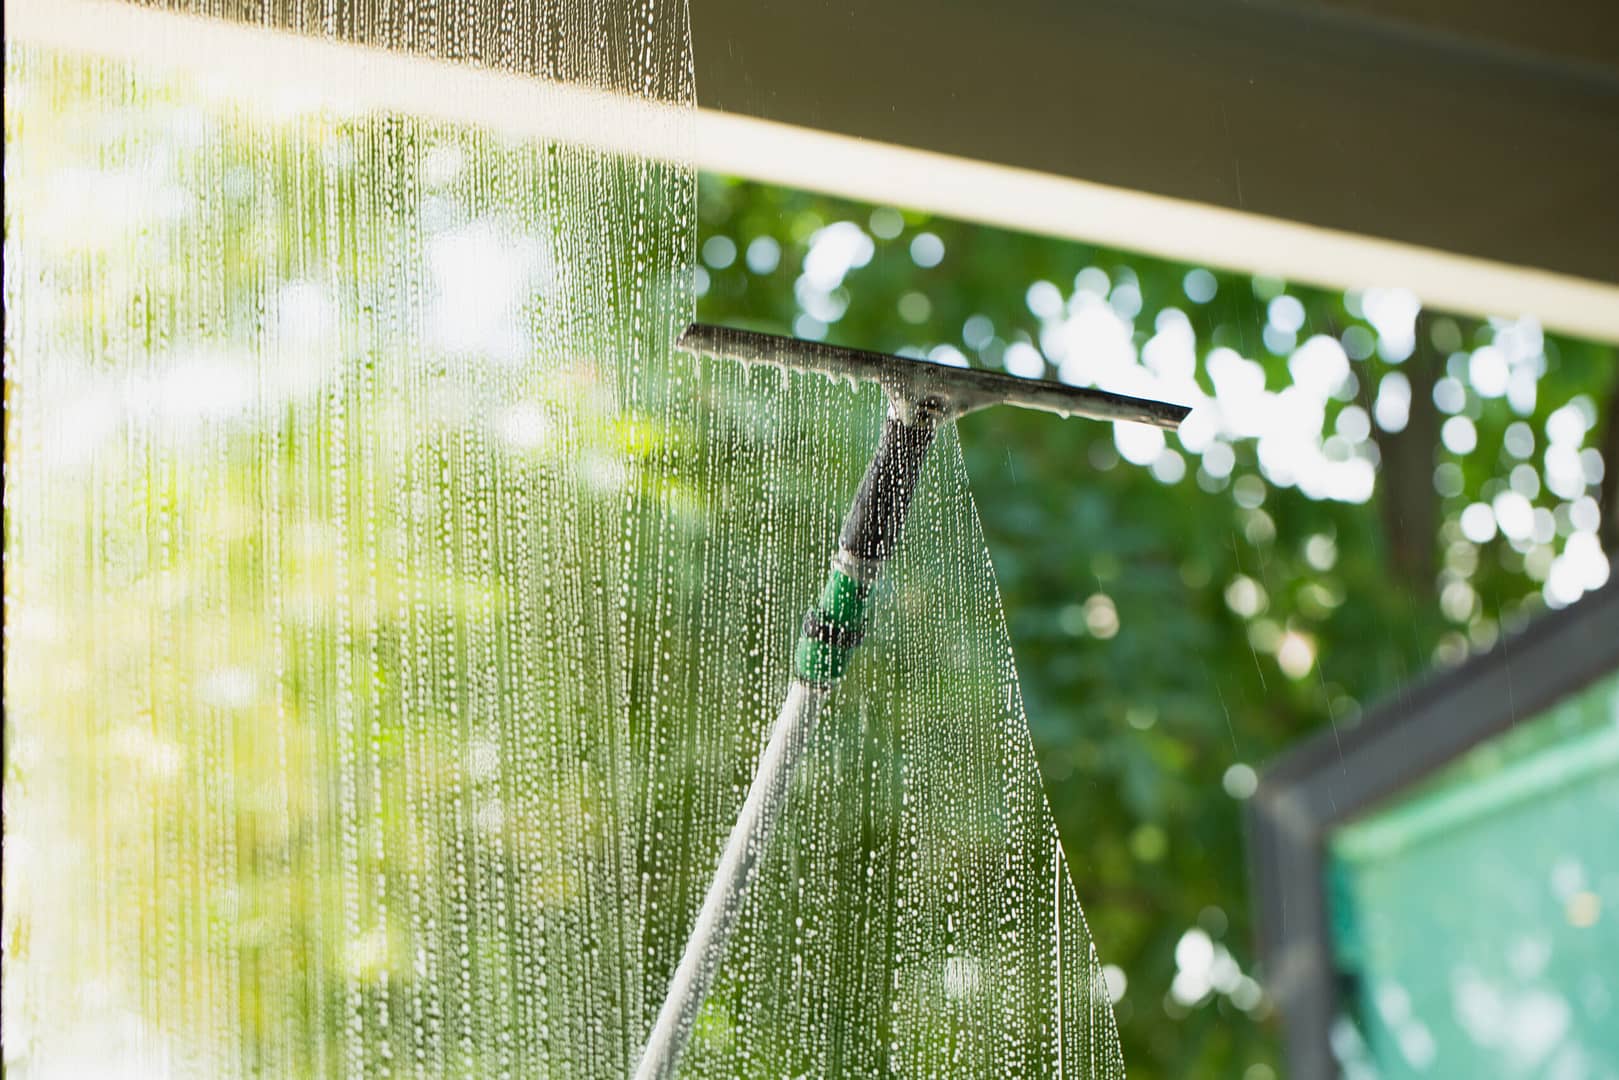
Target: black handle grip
x=874 y=523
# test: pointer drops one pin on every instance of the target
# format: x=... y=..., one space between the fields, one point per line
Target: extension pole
x=922 y=396
x=832 y=631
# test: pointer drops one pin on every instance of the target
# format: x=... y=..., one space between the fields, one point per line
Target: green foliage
x=1173 y=634
x=1171 y=629
x=382 y=678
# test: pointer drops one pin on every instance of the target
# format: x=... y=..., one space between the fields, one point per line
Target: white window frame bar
x=300 y=69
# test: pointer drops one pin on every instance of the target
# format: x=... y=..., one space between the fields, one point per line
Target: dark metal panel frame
x=1336 y=775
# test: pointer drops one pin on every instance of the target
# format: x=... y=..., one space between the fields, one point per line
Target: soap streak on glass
x=394 y=621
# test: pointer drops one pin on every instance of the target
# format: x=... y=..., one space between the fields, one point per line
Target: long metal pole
x=832 y=631
x=732 y=878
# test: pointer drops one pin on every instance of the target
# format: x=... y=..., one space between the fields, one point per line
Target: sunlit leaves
x=1247 y=558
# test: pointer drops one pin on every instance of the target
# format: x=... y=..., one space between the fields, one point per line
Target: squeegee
x=922 y=396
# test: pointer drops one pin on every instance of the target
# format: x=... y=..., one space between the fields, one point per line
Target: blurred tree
x=1386 y=487
x=351 y=556
x=1178 y=623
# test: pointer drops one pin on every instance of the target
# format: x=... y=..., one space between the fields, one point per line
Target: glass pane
x=1474 y=913
x=1368 y=491
x=395 y=619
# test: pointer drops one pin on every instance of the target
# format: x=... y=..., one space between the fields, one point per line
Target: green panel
x=1477 y=915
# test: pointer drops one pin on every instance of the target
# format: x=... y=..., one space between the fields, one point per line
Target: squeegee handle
x=832 y=631
x=872 y=528
x=836 y=624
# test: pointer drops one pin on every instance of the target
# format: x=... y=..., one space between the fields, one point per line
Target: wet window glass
x=427 y=654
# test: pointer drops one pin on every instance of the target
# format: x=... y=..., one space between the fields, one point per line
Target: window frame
x=1336 y=775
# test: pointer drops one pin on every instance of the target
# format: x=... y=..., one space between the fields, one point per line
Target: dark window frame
x=1335 y=776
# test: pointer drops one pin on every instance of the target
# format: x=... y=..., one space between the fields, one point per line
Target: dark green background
x=1136 y=732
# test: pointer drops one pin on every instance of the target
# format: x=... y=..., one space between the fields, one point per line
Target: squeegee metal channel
x=906 y=379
